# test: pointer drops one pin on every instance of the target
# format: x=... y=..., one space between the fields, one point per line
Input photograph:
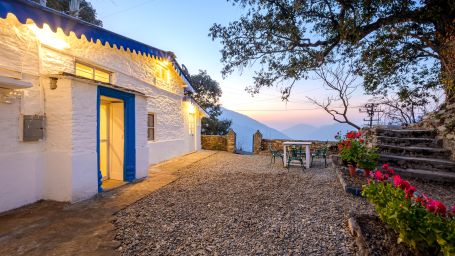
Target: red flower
x=378 y=175
x=452 y=211
x=351 y=135
x=386 y=176
x=362 y=140
x=410 y=192
x=436 y=207
x=359 y=134
x=421 y=200
x=385 y=166
x=390 y=171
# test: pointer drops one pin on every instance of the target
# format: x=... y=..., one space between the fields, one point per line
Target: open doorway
x=112 y=141
x=116 y=136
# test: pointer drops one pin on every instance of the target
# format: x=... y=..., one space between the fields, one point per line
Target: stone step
x=417 y=142
x=406 y=133
x=407 y=162
x=438 y=176
x=423 y=152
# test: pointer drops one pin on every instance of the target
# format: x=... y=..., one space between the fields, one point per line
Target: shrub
x=421 y=222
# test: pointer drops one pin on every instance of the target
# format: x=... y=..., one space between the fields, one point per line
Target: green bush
x=421 y=222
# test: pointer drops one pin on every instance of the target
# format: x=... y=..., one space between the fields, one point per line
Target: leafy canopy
x=207 y=95
x=394 y=42
x=87 y=12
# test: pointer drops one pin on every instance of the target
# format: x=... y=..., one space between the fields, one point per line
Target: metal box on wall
x=33 y=127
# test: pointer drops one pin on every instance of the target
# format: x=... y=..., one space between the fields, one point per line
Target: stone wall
x=277 y=144
x=214 y=142
x=443 y=121
x=257 y=142
x=230 y=141
x=220 y=142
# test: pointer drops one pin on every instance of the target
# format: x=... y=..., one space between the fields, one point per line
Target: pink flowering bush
x=422 y=223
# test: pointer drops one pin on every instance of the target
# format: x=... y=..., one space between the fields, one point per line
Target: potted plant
x=351 y=150
x=368 y=160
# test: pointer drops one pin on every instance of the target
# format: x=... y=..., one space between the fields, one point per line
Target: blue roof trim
x=24 y=10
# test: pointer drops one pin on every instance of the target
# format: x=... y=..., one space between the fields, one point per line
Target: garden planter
x=352 y=170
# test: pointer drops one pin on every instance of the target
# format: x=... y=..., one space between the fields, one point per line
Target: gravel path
x=240 y=205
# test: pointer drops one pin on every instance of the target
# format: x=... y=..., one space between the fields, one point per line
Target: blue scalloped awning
x=40 y=15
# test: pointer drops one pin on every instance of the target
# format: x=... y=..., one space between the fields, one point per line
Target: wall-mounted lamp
x=53 y=83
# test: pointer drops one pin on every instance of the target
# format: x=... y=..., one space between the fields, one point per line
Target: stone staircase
x=414 y=154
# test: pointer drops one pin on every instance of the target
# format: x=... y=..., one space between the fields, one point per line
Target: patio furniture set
x=293 y=151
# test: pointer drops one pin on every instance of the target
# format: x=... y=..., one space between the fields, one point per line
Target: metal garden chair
x=275 y=153
x=296 y=154
x=320 y=153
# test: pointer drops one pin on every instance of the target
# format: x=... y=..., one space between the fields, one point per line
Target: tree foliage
x=207 y=95
x=87 y=12
x=395 y=43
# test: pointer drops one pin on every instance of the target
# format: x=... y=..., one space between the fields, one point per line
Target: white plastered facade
x=63 y=166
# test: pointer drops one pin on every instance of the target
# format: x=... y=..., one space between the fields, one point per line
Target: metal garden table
x=298 y=143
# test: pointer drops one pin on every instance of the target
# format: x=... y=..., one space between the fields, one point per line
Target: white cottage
x=83 y=108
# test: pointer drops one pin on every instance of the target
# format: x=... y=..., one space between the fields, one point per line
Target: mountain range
x=309 y=132
x=245 y=127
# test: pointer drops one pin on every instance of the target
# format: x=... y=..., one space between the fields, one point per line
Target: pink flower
x=385 y=166
x=436 y=207
x=386 y=176
x=397 y=180
x=378 y=175
x=452 y=211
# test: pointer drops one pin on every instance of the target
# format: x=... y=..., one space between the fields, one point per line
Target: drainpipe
x=75 y=8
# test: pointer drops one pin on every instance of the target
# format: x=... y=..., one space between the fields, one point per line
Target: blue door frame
x=129 y=160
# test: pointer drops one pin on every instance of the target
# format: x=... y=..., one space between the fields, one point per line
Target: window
x=151 y=127
x=92 y=73
x=191 y=123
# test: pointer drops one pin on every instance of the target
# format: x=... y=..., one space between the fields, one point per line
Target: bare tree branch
x=339 y=79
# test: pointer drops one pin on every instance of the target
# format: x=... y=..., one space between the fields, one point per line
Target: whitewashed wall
x=63 y=166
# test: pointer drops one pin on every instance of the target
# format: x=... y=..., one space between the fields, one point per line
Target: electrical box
x=33 y=127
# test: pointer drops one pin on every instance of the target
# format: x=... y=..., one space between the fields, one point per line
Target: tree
x=341 y=80
x=394 y=42
x=207 y=95
x=408 y=106
x=86 y=13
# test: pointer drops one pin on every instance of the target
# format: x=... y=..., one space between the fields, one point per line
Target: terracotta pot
x=366 y=172
x=352 y=170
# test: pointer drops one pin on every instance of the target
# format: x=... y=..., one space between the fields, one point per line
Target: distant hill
x=245 y=127
x=309 y=132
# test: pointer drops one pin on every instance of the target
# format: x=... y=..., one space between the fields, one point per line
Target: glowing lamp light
x=165 y=62
x=191 y=109
x=47 y=37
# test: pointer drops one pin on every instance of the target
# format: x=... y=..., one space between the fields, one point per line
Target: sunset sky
x=182 y=26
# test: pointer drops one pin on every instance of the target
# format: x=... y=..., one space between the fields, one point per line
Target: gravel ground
x=240 y=205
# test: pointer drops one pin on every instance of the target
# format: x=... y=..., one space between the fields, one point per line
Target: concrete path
x=85 y=228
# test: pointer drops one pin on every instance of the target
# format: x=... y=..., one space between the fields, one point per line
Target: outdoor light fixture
x=53 y=83
x=191 y=108
x=47 y=37
x=165 y=62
